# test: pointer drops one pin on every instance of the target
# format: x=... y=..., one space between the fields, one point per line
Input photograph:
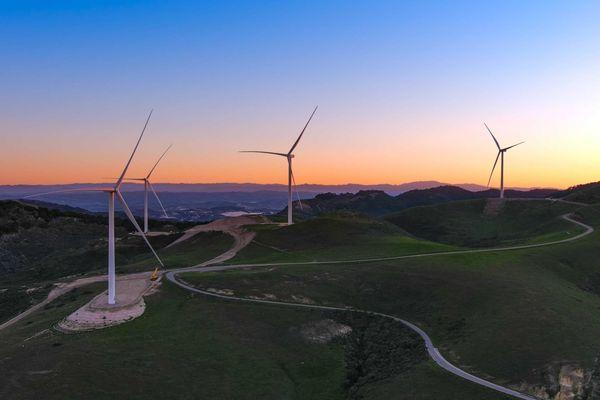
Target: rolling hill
x=193 y=347
x=335 y=236
x=487 y=222
x=379 y=203
x=519 y=318
x=39 y=246
x=588 y=193
x=527 y=319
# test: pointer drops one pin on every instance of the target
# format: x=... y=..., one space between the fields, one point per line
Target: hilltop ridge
x=378 y=203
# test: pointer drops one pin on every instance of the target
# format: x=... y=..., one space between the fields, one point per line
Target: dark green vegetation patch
x=488 y=223
x=377 y=203
x=377 y=349
x=588 y=193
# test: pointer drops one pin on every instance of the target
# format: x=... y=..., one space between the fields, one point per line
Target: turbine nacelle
x=148 y=184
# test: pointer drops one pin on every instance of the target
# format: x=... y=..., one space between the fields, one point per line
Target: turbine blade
x=159 y=202
x=160 y=158
x=68 y=190
x=514 y=145
x=493 y=137
x=302 y=133
x=118 y=184
x=263 y=152
x=296 y=191
x=494 y=167
x=128 y=179
x=136 y=225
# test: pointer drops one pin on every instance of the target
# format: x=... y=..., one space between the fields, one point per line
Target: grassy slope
x=80 y=250
x=201 y=247
x=39 y=246
x=465 y=223
x=184 y=347
x=332 y=237
x=503 y=315
x=427 y=381
x=191 y=347
x=588 y=193
x=528 y=304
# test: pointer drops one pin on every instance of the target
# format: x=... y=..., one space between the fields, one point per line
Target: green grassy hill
x=193 y=347
x=486 y=223
x=332 y=237
x=377 y=203
x=588 y=193
x=39 y=246
x=370 y=202
x=515 y=317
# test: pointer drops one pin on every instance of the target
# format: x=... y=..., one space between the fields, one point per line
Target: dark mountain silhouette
x=588 y=193
x=310 y=190
x=377 y=203
x=57 y=207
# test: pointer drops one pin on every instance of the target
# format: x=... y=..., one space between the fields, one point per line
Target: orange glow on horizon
x=559 y=150
x=315 y=167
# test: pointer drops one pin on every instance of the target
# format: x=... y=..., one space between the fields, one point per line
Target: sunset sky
x=403 y=90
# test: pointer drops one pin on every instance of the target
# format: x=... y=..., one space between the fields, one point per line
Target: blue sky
x=408 y=77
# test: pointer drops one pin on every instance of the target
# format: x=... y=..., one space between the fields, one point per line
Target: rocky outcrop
x=324 y=331
x=567 y=382
x=591 y=390
x=571 y=383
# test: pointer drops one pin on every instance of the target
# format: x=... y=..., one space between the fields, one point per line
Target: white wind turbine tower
x=501 y=152
x=148 y=185
x=289 y=155
x=113 y=192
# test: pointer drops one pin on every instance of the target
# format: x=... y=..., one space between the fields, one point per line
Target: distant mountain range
x=205 y=202
x=18 y=191
x=378 y=203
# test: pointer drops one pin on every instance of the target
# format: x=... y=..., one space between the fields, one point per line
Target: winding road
x=433 y=352
x=431 y=349
x=568 y=217
x=243 y=238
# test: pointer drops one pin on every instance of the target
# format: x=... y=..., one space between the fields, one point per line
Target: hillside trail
x=65 y=287
x=568 y=217
x=232 y=226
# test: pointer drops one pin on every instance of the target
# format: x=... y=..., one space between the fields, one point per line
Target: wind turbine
x=113 y=192
x=289 y=156
x=501 y=152
x=148 y=185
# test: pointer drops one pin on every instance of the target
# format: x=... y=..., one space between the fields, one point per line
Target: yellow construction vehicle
x=154 y=275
